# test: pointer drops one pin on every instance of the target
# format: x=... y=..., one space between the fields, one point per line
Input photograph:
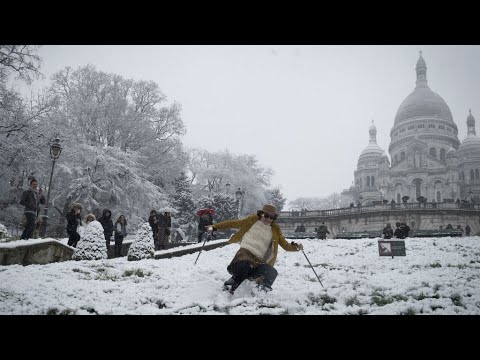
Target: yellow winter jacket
x=246 y=223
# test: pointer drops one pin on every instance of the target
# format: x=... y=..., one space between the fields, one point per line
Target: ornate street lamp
x=239 y=196
x=227 y=186
x=55 y=151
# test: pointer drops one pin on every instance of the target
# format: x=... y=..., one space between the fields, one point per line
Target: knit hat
x=269 y=209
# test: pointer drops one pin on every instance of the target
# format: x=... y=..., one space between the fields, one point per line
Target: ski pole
x=312 y=267
x=206 y=238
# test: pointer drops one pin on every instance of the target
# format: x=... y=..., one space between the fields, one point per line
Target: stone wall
x=374 y=218
x=37 y=253
x=54 y=251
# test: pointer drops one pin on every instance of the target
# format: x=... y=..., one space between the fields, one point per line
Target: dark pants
x=118 y=245
x=73 y=239
x=28 y=231
x=264 y=275
x=107 y=240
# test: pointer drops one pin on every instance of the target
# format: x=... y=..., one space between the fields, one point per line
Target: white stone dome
x=423 y=102
x=372 y=153
x=470 y=146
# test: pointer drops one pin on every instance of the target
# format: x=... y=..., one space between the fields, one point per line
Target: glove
x=298 y=246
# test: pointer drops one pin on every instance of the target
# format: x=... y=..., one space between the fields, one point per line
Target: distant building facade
x=427 y=158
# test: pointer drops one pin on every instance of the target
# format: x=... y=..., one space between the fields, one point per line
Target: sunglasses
x=273 y=217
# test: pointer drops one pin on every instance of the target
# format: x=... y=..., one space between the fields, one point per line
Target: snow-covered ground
x=437 y=276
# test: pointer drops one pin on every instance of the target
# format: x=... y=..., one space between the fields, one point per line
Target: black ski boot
x=264 y=287
x=230 y=285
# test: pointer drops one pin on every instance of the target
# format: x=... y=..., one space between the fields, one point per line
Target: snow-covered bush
x=143 y=247
x=91 y=245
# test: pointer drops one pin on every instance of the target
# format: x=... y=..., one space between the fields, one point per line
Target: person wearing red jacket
x=205 y=219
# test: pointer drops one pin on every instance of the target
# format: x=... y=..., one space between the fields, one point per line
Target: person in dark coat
x=74 y=220
x=322 y=231
x=387 y=231
x=449 y=226
x=153 y=220
x=120 y=233
x=398 y=231
x=405 y=228
x=459 y=227
x=31 y=199
x=403 y=231
x=107 y=223
x=163 y=234
x=467 y=230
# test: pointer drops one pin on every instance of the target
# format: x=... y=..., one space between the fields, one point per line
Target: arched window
x=373 y=180
x=472 y=175
x=402 y=155
x=433 y=152
x=437 y=188
x=418 y=187
x=368 y=181
x=476 y=174
x=463 y=176
x=442 y=155
x=398 y=199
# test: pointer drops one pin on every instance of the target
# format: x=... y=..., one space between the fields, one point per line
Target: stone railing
x=382 y=207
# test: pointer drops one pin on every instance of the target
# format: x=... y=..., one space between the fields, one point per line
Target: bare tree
x=211 y=172
x=20 y=59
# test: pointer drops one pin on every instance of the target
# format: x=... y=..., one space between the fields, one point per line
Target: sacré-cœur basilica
x=431 y=178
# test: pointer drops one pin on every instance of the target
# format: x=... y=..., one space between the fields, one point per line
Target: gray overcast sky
x=303 y=111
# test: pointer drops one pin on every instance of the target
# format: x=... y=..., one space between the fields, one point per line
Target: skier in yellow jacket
x=259 y=236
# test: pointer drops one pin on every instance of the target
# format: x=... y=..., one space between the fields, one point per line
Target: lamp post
x=239 y=196
x=55 y=150
x=227 y=186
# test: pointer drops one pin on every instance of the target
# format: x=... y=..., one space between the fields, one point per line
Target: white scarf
x=258 y=240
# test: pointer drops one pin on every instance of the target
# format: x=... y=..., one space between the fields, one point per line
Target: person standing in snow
x=31 y=199
x=107 y=224
x=402 y=230
x=322 y=231
x=120 y=233
x=259 y=237
x=153 y=220
x=459 y=227
x=467 y=230
x=164 y=224
x=388 y=231
x=74 y=220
